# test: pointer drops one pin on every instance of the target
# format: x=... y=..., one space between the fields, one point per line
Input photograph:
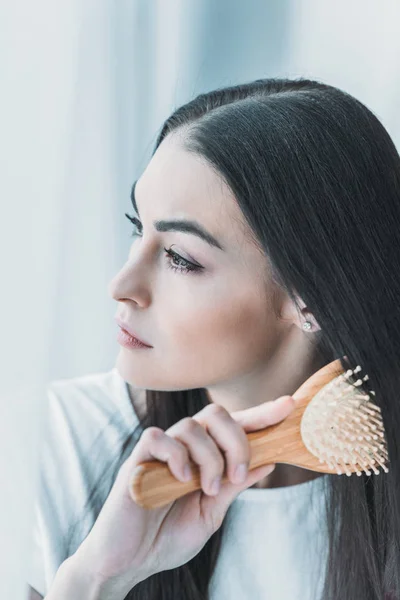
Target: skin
x=227 y=328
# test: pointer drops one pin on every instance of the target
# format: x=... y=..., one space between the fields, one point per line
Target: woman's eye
x=178 y=263
x=174 y=260
x=138 y=230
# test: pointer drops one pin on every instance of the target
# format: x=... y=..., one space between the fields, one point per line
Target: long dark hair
x=317 y=178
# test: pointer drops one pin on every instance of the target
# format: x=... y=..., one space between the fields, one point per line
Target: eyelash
x=188 y=267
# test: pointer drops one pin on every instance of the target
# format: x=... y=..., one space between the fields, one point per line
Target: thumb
x=264 y=415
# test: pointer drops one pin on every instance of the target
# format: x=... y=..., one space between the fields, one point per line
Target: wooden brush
x=334 y=428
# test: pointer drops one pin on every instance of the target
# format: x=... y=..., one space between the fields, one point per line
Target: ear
x=298 y=315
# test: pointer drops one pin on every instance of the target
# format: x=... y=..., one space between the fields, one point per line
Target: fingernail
x=216 y=484
x=187 y=473
x=240 y=473
x=282 y=400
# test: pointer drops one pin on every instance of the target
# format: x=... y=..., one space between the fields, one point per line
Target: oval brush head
x=344 y=429
x=334 y=428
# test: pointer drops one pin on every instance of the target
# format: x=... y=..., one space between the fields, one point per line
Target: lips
x=129 y=330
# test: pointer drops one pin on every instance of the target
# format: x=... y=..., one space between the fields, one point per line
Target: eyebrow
x=180 y=225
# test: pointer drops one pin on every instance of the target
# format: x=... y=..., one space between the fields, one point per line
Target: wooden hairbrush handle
x=153 y=485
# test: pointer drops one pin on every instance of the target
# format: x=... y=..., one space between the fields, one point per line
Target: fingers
x=229 y=491
x=154 y=443
x=202 y=450
x=213 y=439
x=217 y=444
x=264 y=415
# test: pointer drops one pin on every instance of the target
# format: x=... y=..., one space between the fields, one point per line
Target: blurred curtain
x=85 y=87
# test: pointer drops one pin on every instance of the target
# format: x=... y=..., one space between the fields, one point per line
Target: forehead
x=181 y=184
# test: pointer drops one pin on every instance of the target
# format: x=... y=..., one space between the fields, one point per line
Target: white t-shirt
x=274 y=543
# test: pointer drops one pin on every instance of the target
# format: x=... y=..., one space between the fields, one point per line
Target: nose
x=128 y=283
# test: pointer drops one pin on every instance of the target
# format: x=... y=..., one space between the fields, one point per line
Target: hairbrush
x=334 y=428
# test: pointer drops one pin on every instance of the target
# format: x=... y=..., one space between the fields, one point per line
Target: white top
x=274 y=543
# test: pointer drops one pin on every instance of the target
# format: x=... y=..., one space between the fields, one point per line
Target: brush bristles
x=344 y=429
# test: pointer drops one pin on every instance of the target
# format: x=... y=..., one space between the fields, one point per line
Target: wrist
x=93 y=584
x=71 y=581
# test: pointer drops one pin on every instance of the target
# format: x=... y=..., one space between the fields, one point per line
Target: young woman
x=266 y=244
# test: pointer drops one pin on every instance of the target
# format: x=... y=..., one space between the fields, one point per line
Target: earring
x=307 y=325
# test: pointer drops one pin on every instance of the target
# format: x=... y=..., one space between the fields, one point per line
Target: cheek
x=238 y=329
x=212 y=340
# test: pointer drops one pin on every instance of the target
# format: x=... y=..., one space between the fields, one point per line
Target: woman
x=293 y=261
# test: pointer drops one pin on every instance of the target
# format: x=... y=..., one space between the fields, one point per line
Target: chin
x=131 y=370
x=136 y=372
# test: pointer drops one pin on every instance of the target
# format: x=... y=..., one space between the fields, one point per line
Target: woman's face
x=209 y=325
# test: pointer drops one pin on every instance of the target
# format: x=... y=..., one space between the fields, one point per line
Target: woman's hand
x=128 y=543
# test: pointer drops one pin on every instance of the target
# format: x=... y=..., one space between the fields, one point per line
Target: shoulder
x=79 y=408
x=88 y=418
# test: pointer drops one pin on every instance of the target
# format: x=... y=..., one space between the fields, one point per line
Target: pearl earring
x=307 y=325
